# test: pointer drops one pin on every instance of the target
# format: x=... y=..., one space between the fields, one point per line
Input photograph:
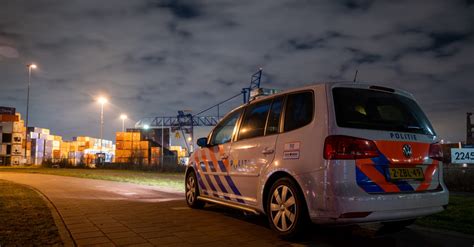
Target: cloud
x=154 y=57
x=8 y=52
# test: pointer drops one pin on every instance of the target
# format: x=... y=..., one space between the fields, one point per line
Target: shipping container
x=16 y=160
x=7 y=127
x=127 y=136
x=8 y=118
x=5 y=110
x=136 y=136
x=17 y=138
x=3 y=149
x=33 y=135
x=135 y=145
x=16 y=149
x=119 y=136
x=56 y=144
x=19 y=127
x=144 y=145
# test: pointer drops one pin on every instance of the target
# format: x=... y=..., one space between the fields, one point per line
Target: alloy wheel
x=283 y=208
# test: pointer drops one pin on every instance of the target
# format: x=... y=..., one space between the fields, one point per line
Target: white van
x=331 y=153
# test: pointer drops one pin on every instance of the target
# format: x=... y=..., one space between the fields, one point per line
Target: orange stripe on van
x=393 y=151
x=371 y=172
x=213 y=158
x=196 y=158
x=225 y=161
x=429 y=172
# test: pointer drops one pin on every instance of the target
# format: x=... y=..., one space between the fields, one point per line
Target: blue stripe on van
x=222 y=166
x=366 y=183
x=381 y=164
x=200 y=182
x=234 y=188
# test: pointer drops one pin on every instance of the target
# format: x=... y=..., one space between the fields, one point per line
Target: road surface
x=108 y=213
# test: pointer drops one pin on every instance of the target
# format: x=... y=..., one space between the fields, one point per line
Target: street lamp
x=30 y=67
x=102 y=100
x=123 y=117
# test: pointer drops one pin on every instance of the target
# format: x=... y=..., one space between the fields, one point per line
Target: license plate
x=406 y=173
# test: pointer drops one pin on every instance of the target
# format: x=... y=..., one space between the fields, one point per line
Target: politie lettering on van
x=330 y=153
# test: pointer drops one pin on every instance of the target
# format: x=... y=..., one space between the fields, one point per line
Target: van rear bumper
x=343 y=202
x=381 y=208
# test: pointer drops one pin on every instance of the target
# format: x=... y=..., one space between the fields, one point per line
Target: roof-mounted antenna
x=355 y=76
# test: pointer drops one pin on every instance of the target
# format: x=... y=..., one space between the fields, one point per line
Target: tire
x=286 y=208
x=192 y=191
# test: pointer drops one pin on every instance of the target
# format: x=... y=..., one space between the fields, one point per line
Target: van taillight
x=436 y=152
x=349 y=148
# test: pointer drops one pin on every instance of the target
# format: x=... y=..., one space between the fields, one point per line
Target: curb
x=64 y=233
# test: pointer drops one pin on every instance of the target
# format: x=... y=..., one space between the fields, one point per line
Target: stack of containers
x=180 y=151
x=56 y=154
x=86 y=148
x=131 y=148
x=37 y=140
x=155 y=155
x=12 y=133
x=64 y=150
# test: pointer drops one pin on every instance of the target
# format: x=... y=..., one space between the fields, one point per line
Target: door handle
x=224 y=157
x=268 y=151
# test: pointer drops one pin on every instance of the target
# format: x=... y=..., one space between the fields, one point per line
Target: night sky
x=155 y=57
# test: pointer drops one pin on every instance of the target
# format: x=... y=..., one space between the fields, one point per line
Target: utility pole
x=30 y=67
x=469 y=127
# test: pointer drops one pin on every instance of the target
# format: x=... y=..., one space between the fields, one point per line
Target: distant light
x=102 y=100
x=123 y=116
x=190 y=139
x=442 y=141
x=32 y=66
x=146 y=126
x=464 y=165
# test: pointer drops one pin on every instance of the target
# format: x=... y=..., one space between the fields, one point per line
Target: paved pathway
x=106 y=213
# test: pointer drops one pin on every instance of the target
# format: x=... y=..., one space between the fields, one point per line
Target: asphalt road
x=107 y=213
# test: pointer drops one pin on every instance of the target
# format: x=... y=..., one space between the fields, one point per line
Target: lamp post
x=123 y=117
x=30 y=67
x=102 y=101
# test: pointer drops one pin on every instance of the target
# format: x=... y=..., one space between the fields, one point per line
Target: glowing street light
x=102 y=101
x=30 y=67
x=146 y=126
x=123 y=117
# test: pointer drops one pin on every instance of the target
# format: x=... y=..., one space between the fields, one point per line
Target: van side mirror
x=202 y=142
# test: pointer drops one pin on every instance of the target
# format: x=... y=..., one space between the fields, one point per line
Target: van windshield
x=377 y=110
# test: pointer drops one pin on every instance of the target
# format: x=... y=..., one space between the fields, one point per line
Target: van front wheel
x=192 y=191
x=286 y=208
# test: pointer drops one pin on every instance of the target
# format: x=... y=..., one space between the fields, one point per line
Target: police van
x=330 y=153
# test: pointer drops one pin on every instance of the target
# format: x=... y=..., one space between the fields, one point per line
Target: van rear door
x=402 y=133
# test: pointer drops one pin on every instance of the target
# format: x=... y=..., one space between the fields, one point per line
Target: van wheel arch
x=271 y=180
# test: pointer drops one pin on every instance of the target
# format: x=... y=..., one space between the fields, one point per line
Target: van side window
x=299 y=110
x=255 y=117
x=224 y=130
x=273 y=123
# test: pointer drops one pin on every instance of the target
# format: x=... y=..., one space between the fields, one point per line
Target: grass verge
x=169 y=180
x=25 y=219
x=458 y=217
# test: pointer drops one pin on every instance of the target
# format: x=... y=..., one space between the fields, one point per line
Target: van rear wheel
x=192 y=191
x=286 y=208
